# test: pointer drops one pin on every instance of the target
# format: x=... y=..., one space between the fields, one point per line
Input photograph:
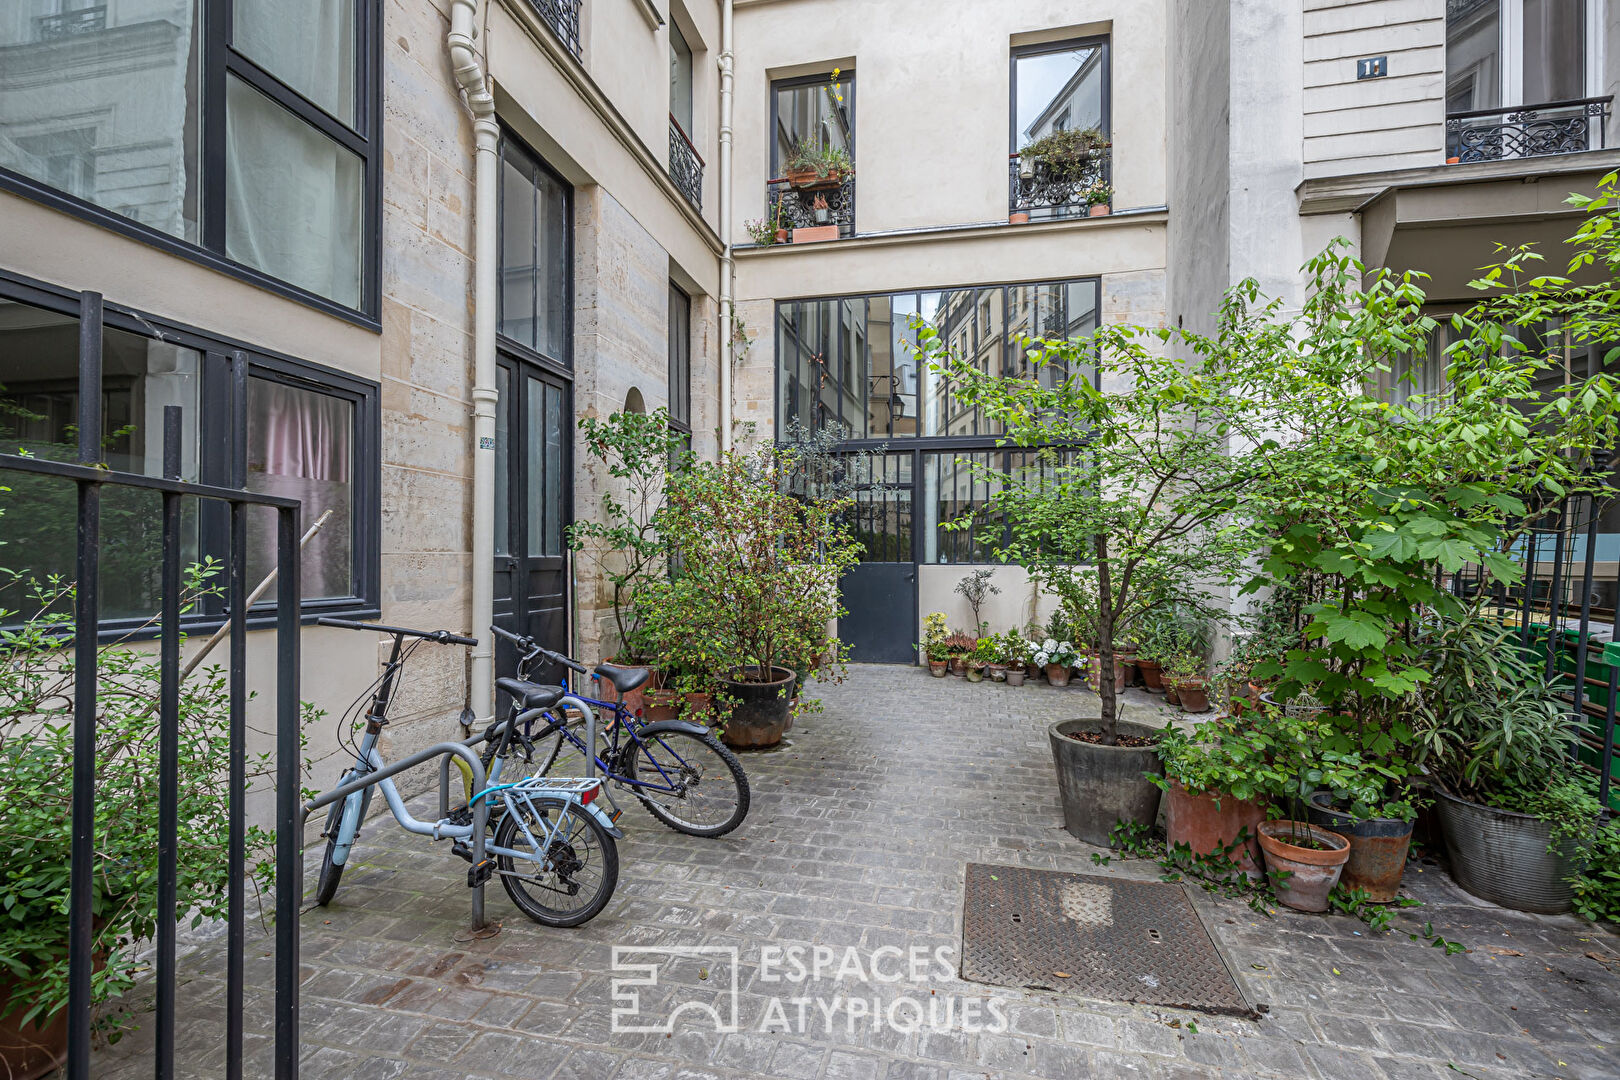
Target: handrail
x=1572 y=103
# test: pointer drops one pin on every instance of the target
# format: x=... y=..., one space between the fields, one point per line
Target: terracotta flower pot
x=1018 y=217
x=1171 y=695
x=1194 y=695
x=1057 y=674
x=662 y=705
x=635 y=700
x=939 y=668
x=975 y=673
x=1151 y=672
x=998 y=672
x=1099 y=210
x=1312 y=872
x=781 y=236
x=1015 y=676
x=958 y=665
x=699 y=707
x=28 y=1052
x=1094 y=673
x=1209 y=821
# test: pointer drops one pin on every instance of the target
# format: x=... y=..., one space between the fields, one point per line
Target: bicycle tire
x=633 y=754
x=510 y=836
x=331 y=873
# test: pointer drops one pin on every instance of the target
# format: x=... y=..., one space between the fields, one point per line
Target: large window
x=536 y=255
x=257 y=154
x=1058 y=157
x=279 y=427
x=851 y=362
x=813 y=119
x=680 y=359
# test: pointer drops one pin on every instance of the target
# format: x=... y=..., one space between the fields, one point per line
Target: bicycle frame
x=622 y=718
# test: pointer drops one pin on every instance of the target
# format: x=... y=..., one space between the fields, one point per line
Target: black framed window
x=250 y=418
x=680 y=359
x=242 y=133
x=814 y=114
x=1060 y=86
x=536 y=255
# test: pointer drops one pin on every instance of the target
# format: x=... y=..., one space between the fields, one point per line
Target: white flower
x=1048 y=645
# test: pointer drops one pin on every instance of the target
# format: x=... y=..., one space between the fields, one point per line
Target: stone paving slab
x=860 y=831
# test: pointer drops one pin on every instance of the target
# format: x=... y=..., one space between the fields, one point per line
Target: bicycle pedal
x=615 y=814
x=460 y=850
x=461 y=815
x=479 y=873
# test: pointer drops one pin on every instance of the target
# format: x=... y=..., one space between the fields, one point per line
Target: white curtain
x=307 y=44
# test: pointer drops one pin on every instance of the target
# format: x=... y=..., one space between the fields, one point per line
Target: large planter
x=1312 y=873
x=1057 y=674
x=661 y=705
x=1152 y=679
x=760 y=716
x=1502 y=856
x=1194 y=695
x=1103 y=785
x=1377 y=848
x=1210 y=821
x=28 y=1052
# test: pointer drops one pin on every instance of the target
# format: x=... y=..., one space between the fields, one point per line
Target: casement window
x=816 y=114
x=251 y=419
x=680 y=360
x=244 y=134
x=536 y=256
x=1056 y=87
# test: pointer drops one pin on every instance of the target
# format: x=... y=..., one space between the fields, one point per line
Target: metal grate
x=1095 y=937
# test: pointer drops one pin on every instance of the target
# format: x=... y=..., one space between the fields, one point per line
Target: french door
x=880 y=593
x=534 y=423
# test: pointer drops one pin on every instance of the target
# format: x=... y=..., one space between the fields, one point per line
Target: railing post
x=289 y=822
x=168 y=750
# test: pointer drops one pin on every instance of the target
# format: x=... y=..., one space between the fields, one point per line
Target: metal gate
x=92 y=478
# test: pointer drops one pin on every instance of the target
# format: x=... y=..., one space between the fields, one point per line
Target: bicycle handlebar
x=534 y=648
x=443 y=637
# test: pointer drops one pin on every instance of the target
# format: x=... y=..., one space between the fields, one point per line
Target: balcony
x=1523 y=131
x=685 y=166
x=1040 y=189
x=813 y=212
x=69 y=24
x=563 y=18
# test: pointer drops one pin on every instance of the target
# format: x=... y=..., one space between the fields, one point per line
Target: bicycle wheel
x=710 y=796
x=571 y=881
x=331 y=874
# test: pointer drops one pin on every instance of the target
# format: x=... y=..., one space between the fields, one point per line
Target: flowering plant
x=1052 y=651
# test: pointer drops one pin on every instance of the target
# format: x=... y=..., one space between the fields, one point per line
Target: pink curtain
x=298 y=433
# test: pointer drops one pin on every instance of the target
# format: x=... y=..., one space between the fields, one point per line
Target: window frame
x=846 y=78
x=562 y=366
x=219 y=61
x=222 y=449
x=680 y=368
x=1105 y=97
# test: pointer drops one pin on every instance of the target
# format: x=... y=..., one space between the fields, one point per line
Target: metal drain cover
x=1096 y=937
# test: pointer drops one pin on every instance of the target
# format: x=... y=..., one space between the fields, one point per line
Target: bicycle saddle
x=531 y=695
x=624 y=679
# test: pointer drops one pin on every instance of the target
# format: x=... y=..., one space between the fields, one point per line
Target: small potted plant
x=768 y=230
x=957 y=648
x=1185 y=672
x=979 y=660
x=1058 y=658
x=1017 y=655
x=811 y=166
x=933 y=644
x=1098 y=197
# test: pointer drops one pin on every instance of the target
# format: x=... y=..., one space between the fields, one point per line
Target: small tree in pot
x=757 y=570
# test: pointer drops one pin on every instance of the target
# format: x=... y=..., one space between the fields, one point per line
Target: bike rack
x=480 y=811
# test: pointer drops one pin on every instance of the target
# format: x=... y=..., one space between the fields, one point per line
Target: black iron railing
x=68 y=24
x=808 y=207
x=685 y=166
x=563 y=18
x=91 y=478
x=1556 y=127
x=1061 y=189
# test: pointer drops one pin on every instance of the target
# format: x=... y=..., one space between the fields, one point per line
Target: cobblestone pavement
x=859 y=834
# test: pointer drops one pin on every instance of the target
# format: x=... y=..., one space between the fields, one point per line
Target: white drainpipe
x=728 y=299
x=469 y=72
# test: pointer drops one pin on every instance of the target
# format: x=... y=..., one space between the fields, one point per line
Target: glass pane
x=881 y=515
x=1554 y=50
x=556 y=428
x=680 y=79
x=292 y=198
x=503 y=462
x=307 y=44
x=1058 y=91
x=538 y=463
x=555 y=272
x=518 y=247
x=1473 y=56
x=300 y=445
x=39 y=401
x=102 y=101
x=952 y=492
x=680 y=356
x=806 y=343
x=892 y=401
x=819 y=115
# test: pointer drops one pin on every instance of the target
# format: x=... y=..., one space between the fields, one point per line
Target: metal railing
x=1520 y=131
x=68 y=24
x=1045 y=189
x=91 y=478
x=563 y=18
x=685 y=166
x=808 y=207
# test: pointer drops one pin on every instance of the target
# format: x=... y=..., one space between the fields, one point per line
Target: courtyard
x=862 y=826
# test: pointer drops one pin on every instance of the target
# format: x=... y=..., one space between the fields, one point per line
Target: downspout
x=469 y=73
x=728 y=299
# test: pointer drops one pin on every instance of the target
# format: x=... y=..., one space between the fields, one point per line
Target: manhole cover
x=1097 y=937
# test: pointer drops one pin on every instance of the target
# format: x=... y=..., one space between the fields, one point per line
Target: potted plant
x=958 y=646
x=1065 y=154
x=979 y=660
x=1057 y=659
x=756 y=575
x=1303 y=862
x=1097 y=199
x=814 y=166
x=977 y=587
x=772 y=229
x=1185 y=672
x=1217 y=782
x=1018 y=656
x=933 y=644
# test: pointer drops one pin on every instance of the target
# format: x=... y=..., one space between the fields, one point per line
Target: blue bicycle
x=678 y=770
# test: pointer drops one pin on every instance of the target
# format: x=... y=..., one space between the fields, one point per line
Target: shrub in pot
x=958 y=647
x=1057 y=659
x=1017 y=654
x=1185 y=672
x=1217 y=782
x=933 y=644
x=756 y=572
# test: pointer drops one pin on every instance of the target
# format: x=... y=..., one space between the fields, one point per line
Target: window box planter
x=814 y=234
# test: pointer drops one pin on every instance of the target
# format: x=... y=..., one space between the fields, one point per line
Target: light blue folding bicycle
x=554 y=848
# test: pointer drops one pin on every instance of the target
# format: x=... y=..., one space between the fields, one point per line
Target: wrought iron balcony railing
x=1556 y=127
x=563 y=18
x=804 y=208
x=685 y=166
x=1051 y=190
x=68 y=24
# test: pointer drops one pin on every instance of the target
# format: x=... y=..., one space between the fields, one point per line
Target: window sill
x=1150 y=215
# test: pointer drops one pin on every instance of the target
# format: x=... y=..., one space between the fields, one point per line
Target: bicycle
x=677 y=769
x=554 y=848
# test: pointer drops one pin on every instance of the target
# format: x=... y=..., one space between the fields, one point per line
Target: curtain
x=299 y=445
x=307 y=44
